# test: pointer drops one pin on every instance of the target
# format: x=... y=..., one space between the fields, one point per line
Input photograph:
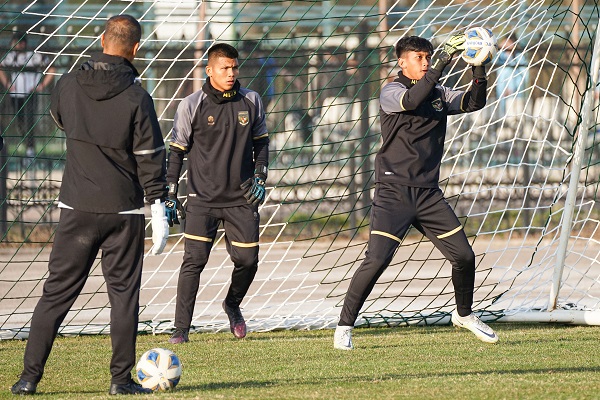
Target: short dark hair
x=413 y=43
x=123 y=31
x=222 y=50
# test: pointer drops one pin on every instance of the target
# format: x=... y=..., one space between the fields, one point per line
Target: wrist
x=172 y=186
x=479 y=72
x=261 y=171
x=440 y=60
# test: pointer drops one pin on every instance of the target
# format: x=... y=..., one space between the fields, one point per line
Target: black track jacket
x=225 y=137
x=115 y=149
x=413 y=126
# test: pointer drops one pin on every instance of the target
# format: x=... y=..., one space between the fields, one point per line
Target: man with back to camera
x=414 y=110
x=115 y=155
x=222 y=130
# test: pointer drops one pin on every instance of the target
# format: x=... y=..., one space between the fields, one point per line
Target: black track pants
x=77 y=241
x=395 y=208
x=241 y=238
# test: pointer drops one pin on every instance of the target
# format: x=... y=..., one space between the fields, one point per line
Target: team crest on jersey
x=437 y=105
x=211 y=120
x=243 y=118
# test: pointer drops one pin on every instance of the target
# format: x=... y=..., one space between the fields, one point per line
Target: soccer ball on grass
x=480 y=46
x=158 y=369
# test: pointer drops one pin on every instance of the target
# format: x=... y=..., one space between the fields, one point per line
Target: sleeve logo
x=437 y=105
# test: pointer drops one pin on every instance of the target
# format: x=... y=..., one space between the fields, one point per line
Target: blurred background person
x=511 y=79
x=21 y=73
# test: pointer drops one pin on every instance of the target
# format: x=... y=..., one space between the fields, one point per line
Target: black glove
x=255 y=188
x=452 y=46
x=172 y=205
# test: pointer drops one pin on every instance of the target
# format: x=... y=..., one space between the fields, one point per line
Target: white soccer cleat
x=475 y=325
x=342 y=339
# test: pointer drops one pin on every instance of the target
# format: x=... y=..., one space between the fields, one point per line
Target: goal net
x=522 y=174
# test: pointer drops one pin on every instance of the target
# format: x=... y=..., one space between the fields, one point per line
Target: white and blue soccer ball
x=480 y=46
x=158 y=369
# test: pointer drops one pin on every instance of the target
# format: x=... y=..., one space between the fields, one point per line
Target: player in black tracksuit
x=222 y=130
x=115 y=156
x=414 y=110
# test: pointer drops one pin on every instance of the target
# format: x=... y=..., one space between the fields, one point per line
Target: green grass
x=531 y=361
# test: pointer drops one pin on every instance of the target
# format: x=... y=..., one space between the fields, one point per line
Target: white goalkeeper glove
x=160 y=227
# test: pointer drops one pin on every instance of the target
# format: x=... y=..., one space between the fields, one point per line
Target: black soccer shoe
x=23 y=388
x=128 y=388
x=180 y=336
x=237 y=325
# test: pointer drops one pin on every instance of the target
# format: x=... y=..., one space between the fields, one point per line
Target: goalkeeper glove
x=172 y=205
x=255 y=188
x=452 y=46
x=160 y=227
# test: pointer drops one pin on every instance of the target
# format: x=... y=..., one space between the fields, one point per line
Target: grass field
x=531 y=361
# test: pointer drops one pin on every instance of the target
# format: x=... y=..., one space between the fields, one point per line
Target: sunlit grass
x=531 y=361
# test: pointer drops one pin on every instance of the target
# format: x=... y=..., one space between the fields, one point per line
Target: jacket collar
x=219 y=97
x=104 y=76
x=406 y=81
x=107 y=62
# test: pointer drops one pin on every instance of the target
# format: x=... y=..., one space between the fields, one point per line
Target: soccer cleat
x=342 y=338
x=475 y=325
x=180 y=336
x=237 y=325
x=23 y=387
x=128 y=388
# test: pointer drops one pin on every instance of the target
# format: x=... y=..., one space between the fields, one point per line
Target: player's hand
x=255 y=190
x=172 y=205
x=160 y=227
x=454 y=45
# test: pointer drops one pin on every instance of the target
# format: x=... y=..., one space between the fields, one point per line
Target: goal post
x=522 y=174
x=587 y=123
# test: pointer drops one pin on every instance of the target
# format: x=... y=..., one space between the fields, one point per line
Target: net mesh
x=319 y=67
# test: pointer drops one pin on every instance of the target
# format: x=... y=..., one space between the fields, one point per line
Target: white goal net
x=522 y=174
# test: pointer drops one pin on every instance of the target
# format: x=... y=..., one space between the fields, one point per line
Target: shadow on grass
x=380 y=377
x=427 y=330
x=232 y=385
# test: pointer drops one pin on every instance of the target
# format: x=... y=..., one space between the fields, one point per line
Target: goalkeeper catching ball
x=221 y=128
x=414 y=112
